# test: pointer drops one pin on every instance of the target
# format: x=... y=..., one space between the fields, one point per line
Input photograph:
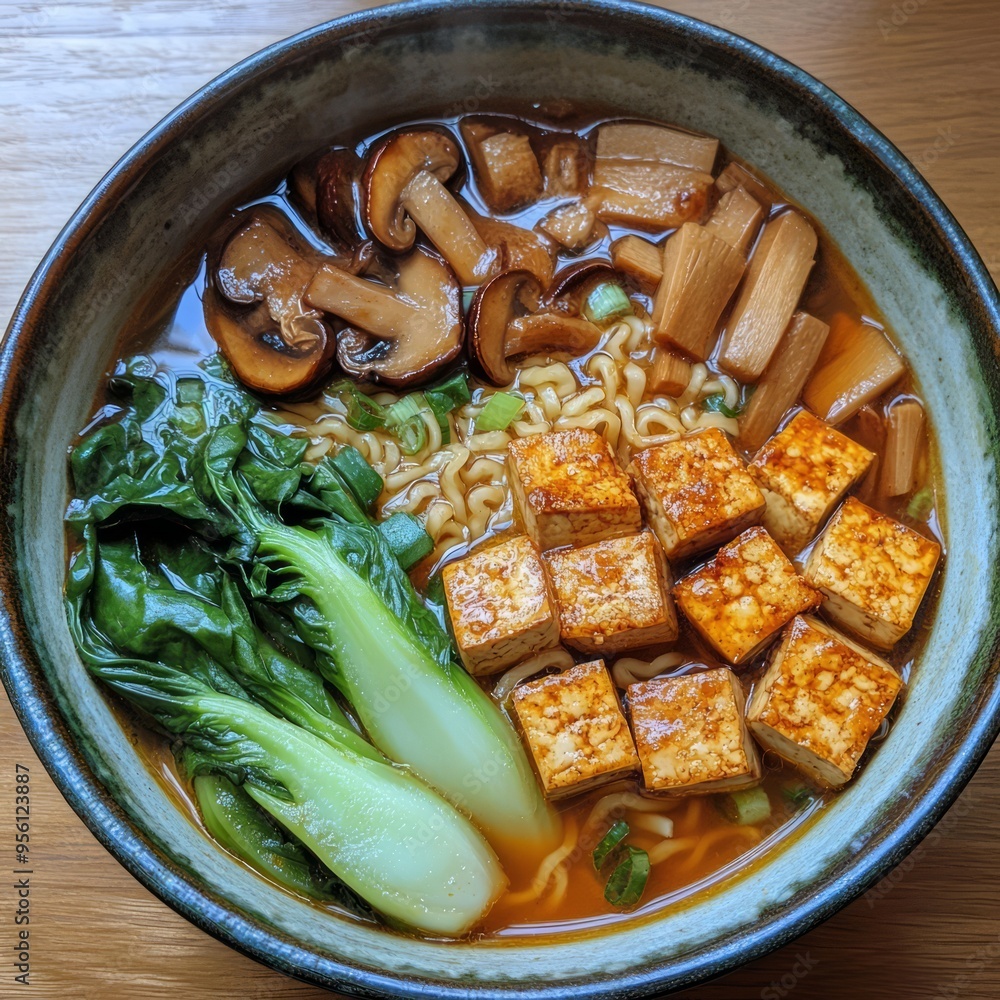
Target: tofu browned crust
x=613 y=595
x=501 y=606
x=575 y=729
x=821 y=700
x=803 y=472
x=569 y=490
x=873 y=572
x=741 y=599
x=690 y=733
x=696 y=492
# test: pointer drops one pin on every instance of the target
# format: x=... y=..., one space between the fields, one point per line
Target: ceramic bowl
x=249 y=126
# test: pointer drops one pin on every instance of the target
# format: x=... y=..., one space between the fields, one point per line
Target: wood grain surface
x=81 y=81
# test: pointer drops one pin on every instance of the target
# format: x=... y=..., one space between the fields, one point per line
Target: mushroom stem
x=444 y=222
x=364 y=303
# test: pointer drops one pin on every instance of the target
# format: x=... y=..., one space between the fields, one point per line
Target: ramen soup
x=507 y=523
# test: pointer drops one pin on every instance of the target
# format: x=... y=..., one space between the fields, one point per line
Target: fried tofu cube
x=821 y=700
x=872 y=571
x=741 y=599
x=690 y=734
x=613 y=595
x=803 y=472
x=501 y=606
x=569 y=490
x=696 y=492
x=505 y=165
x=575 y=729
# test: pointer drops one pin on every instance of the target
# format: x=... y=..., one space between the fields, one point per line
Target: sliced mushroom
x=404 y=189
x=570 y=286
x=327 y=185
x=497 y=333
x=398 y=335
x=254 y=308
x=517 y=248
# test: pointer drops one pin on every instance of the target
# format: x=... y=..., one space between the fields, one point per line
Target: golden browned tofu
x=740 y=600
x=569 y=490
x=696 y=492
x=575 y=729
x=872 y=571
x=613 y=595
x=821 y=700
x=500 y=605
x=803 y=472
x=690 y=734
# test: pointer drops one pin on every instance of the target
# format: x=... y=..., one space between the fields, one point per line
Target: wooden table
x=80 y=82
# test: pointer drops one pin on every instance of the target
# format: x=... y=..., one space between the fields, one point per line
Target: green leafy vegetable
x=297 y=536
x=627 y=882
x=605 y=302
x=365 y=483
x=407 y=538
x=610 y=842
x=500 y=410
x=746 y=806
x=364 y=818
x=716 y=403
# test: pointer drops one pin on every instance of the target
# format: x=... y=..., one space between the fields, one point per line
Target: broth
x=708 y=847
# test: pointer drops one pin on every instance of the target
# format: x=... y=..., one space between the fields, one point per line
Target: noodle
x=458 y=490
x=550 y=864
x=558 y=658
x=630 y=670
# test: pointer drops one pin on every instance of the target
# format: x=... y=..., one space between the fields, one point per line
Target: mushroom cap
x=392 y=165
x=518 y=248
x=327 y=185
x=567 y=287
x=433 y=335
x=492 y=310
x=253 y=307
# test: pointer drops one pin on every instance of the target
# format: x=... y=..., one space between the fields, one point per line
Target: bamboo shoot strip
x=736 y=219
x=650 y=195
x=638 y=141
x=862 y=369
x=782 y=382
x=777 y=274
x=639 y=260
x=700 y=274
x=869 y=431
x=669 y=374
x=904 y=434
x=735 y=176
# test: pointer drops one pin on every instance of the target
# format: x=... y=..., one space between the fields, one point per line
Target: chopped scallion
x=746 y=806
x=500 y=410
x=716 y=403
x=405 y=420
x=444 y=398
x=629 y=878
x=610 y=842
x=920 y=504
x=406 y=537
x=468 y=295
x=798 y=796
x=605 y=302
x=365 y=483
x=363 y=413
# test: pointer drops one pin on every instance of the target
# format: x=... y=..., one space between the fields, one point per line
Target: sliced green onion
x=610 y=842
x=407 y=538
x=500 y=409
x=920 y=504
x=363 y=413
x=405 y=419
x=467 y=296
x=444 y=398
x=629 y=878
x=605 y=302
x=365 y=483
x=746 y=806
x=798 y=796
x=716 y=403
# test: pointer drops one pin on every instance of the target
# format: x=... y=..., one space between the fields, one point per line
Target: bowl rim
x=50 y=737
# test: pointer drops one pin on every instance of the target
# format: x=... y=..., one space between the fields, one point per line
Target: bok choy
x=194 y=447
x=392 y=840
